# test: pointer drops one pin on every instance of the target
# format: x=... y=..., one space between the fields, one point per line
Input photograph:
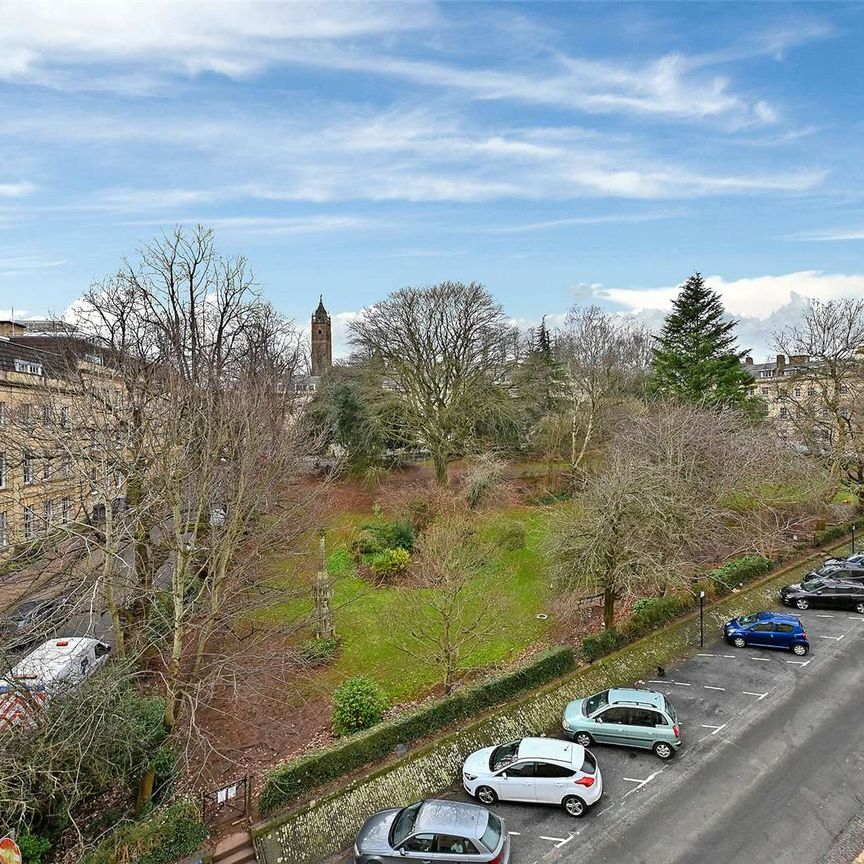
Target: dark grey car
x=433 y=830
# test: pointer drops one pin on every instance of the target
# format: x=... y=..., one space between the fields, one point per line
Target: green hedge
x=168 y=835
x=836 y=532
x=288 y=781
x=741 y=570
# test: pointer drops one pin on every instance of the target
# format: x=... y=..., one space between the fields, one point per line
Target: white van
x=53 y=666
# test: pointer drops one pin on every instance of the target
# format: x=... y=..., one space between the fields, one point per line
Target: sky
x=560 y=153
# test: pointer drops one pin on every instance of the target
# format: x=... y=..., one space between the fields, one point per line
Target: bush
x=510 y=535
x=389 y=563
x=376 y=537
x=594 y=647
x=169 y=834
x=317 y=652
x=357 y=704
x=34 y=849
x=835 y=532
x=740 y=571
x=302 y=775
x=653 y=612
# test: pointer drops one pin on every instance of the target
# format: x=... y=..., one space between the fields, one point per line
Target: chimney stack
x=781 y=361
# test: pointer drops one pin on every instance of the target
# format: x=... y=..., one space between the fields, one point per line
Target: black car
x=856 y=559
x=824 y=594
x=33 y=621
x=845 y=570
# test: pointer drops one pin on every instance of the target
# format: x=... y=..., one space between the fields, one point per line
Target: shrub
x=510 y=535
x=166 y=836
x=317 y=652
x=294 y=778
x=373 y=538
x=34 y=849
x=357 y=704
x=653 y=612
x=594 y=647
x=740 y=570
x=389 y=563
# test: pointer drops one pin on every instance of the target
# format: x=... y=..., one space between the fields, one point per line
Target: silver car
x=433 y=830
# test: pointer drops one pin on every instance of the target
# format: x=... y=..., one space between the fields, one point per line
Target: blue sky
x=560 y=153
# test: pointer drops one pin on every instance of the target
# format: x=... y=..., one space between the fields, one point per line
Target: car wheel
x=486 y=796
x=859 y=608
x=739 y=642
x=802 y=603
x=574 y=806
x=583 y=738
x=799 y=649
x=663 y=751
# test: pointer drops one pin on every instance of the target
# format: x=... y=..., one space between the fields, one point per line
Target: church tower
x=322 y=341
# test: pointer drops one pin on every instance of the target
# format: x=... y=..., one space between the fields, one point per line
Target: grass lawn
x=513 y=589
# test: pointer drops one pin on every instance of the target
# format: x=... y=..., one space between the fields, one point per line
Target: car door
x=419 y=848
x=783 y=634
x=452 y=849
x=516 y=782
x=761 y=634
x=611 y=725
x=550 y=782
x=642 y=725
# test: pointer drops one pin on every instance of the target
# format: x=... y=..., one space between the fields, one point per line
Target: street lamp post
x=701 y=619
x=853 y=538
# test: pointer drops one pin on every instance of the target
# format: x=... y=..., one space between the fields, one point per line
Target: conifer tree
x=696 y=357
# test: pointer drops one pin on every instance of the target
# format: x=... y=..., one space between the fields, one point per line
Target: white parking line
x=760 y=695
x=564 y=842
x=835 y=638
x=657 y=681
x=762 y=659
x=554 y=839
x=824 y=616
x=799 y=662
x=681 y=684
x=855 y=617
x=709 y=687
x=728 y=656
x=715 y=728
x=515 y=833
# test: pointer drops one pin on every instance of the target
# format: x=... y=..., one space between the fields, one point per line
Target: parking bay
x=720 y=693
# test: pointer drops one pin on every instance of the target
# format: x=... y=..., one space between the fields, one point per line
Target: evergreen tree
x=696 y=358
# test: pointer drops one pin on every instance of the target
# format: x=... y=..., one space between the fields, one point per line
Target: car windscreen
x=589 y=763
x=503 y=755
x=595 y=702
x=812 y=584
x=747 y=619
x=492 y=834
x=403 y=824
x=671 y=711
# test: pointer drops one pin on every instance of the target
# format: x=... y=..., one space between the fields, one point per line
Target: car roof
x=778 y=616
x=52 y=657
x=451 y=817
x=638 y=697
x=553 y=749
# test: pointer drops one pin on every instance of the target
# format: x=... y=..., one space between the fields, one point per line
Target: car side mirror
x=503 y=775
x=598 y=719
x=403 y=850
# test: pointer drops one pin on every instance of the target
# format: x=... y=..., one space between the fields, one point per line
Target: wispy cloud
x=831 y=234
x=16 y=190
x=430 y=253
x=603 y=219
x=272 y=225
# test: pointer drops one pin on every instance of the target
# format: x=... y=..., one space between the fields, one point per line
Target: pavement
x=770 y=769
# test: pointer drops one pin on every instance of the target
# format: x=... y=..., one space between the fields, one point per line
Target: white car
x=541 y=770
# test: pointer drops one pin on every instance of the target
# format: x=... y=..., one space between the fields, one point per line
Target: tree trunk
x=440 y=462
x=145 y=790
x=609 y=598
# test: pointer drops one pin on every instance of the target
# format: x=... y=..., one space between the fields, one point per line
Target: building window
x=2 y=470
x=28 y=367
x=49 y=514
x=64 y=417
x=797 y=391
x=766 y=391
x=784 y=412
x=46 y=467
x=46 y=415
x=811 y=391
x=28 y=468
x=67 y=466
x=844 y=389
x=25 y=413
x=28 y=523
x=783 y=392
x=4 y=531
x=66 y=509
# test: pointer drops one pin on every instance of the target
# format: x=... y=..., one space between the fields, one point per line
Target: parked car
x=856 y=559
x=825 y=594
x=841 y=570
x=768 y=630
x=32 y=621
x=541 y=770
x=628 y=717
x=433 y=830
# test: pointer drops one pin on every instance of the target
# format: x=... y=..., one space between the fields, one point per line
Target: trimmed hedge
x=168 y=835
x=288 y=781
x=741 y=570
x=836 y=532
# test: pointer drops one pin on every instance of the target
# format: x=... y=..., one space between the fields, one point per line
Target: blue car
x=768 y=630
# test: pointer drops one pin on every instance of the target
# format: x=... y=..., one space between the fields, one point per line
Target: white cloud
x=600 y=219
x=836 y=234
x=271 y=225
x=16 y=190
x=755 y=297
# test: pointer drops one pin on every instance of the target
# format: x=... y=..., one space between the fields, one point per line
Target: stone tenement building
x=44 y=424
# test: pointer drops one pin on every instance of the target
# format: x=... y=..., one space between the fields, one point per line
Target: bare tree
x=599 y=358
x=824 y=384
x=446 y=349
x=683 y=485
x=446 y=614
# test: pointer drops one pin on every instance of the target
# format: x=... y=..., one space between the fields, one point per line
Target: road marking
x=681 y=684
x=824 y=616
x=632 y=779
x=709 y=687
x=762 y=659
x=835 y=638
x=855 y=617
x=728 y=656
x=657 y=681
x=715 y=728
x=760 y=695
x=798 y=662
x=554 y=839
x=515 y=833
x=706 y=655
x=564 y=842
